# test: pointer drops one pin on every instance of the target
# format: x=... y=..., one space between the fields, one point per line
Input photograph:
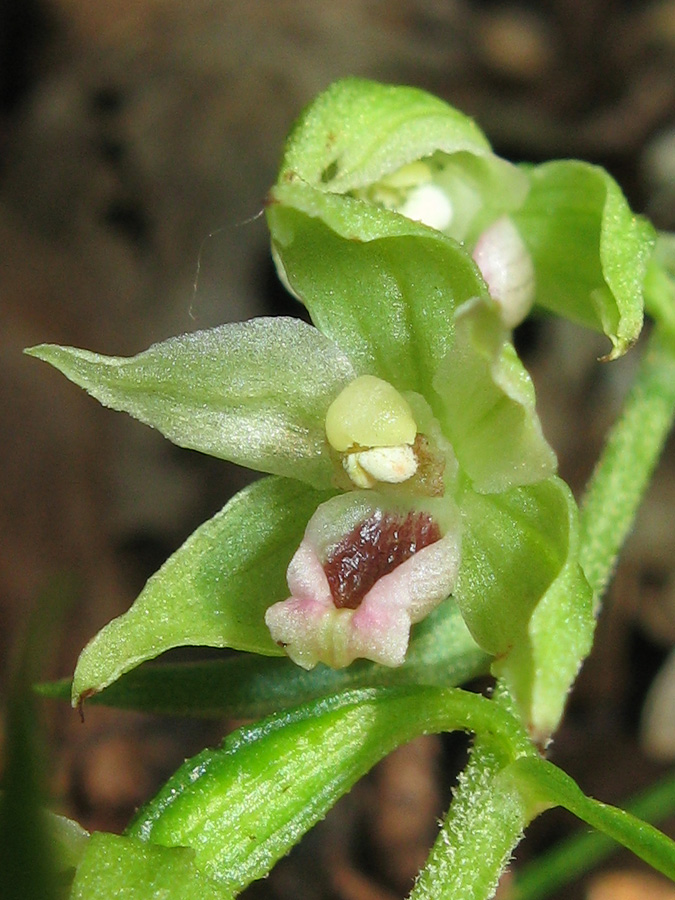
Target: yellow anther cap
x=369 y=412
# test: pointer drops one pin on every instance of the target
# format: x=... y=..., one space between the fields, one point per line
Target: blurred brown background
x=137 y=141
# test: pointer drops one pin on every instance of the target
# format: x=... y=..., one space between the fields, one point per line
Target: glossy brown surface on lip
x=374 y=549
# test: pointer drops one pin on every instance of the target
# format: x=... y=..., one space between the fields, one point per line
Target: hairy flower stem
x=631 y=453
x=485 y=822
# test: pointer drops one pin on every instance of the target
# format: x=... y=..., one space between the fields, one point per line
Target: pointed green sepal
x=523 y=595
x=255 y=392
x=590 y=251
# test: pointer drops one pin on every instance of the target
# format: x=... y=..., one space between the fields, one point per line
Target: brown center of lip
x=374 y=548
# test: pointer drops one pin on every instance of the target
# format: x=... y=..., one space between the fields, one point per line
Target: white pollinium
x=430 y=205
x=506 y=266
x=372 y=426
x=392 y=465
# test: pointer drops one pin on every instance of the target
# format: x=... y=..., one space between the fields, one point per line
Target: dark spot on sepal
x=330 y=172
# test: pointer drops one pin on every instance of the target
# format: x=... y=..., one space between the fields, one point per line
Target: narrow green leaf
x=115 y=866
x=214 y=590
x=550 y=786
x=255 y=392
x=37 y=850
x=441 y=652
x=245 y=805
x=590 y=251
x=569 y=859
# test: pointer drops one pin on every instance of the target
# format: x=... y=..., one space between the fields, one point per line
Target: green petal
x=381 y=286
x=523 y=595
x=214 y=590
x=489 y=406
x=115 y=866
x=590 y=251
x=255 y=393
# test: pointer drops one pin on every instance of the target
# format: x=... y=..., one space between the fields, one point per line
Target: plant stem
x=485 y=822
x=622 y=474
x=483 y=825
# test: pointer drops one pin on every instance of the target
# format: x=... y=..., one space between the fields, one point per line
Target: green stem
x=627 y=462
x=485 y=822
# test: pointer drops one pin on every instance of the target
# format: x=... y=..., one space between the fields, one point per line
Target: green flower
x=400 y=429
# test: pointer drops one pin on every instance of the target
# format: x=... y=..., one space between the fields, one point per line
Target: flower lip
x=373 y=549
x=361 y=577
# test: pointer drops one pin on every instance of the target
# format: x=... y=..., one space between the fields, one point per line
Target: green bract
x=393 y=301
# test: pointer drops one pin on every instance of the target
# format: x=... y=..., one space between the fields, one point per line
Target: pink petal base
x=312 y=630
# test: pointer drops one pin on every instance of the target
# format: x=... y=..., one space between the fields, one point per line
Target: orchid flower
x=409 y=470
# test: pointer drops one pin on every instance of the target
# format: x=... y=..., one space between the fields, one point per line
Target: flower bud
x=506 y=266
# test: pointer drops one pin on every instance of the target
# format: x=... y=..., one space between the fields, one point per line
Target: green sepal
x=590 y=251
x=357 y=131
x=247 y=686
x=214 y=590
x=243 y=806
x=255 y=392
x=125 y=867
x=381 y=286
x=523 y=595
